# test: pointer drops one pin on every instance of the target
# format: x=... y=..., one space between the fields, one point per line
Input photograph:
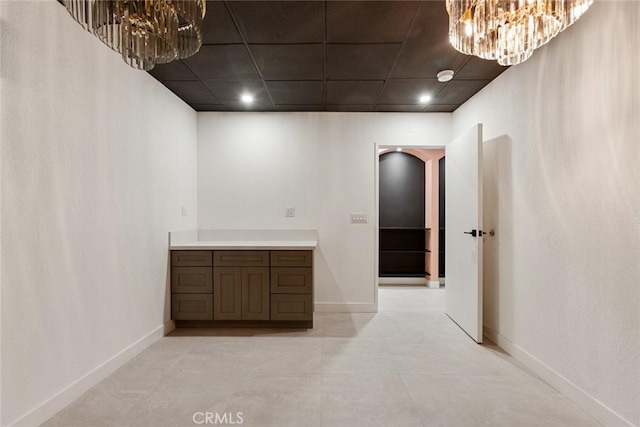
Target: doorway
x=410 y=227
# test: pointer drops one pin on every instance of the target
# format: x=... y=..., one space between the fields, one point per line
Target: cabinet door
x=227 y=293
x=255 y=293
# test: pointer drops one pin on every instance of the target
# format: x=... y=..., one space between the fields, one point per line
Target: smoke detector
x=445 y=75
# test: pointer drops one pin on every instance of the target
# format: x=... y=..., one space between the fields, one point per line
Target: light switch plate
x=183 y=211
x=359 y=218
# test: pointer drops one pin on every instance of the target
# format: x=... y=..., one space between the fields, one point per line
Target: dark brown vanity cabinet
x=242 y=285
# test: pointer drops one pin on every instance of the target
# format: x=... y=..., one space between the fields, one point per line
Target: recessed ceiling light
x=424 y=99
x=445 y=75
x=246 y=98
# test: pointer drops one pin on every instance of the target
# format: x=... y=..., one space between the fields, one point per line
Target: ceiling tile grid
x=326 y=56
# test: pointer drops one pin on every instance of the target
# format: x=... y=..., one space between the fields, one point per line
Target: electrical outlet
x=359 y=218
x=183 y=211
x=289 y=212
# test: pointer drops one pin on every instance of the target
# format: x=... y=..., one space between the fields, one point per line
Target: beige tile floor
x=408 y=365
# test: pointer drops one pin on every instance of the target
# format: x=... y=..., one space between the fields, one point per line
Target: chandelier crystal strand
x=144 y=37
x=461 y=31
x=144 y=32
x=167 y=24
x=486 y=20
x=135 y=43
x=80 y=11
x=107 y=22
x=522 y=30
x=190 y=31
x=575 y=10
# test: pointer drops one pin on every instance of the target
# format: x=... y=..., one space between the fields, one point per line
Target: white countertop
x=247 y=245
x=243 y=240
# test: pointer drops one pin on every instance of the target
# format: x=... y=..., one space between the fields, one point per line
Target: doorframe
x=376 y=195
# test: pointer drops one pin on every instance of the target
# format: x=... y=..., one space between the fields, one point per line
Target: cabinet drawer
x=241 y=258
x=191 y=259
x=192 y=307
x=291 y=307
x=191 y=280
x=291 y=258
x=291 y=280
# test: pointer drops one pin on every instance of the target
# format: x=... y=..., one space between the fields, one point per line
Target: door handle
x=475 y=233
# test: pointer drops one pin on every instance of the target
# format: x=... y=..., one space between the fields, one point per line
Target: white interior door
x=463 y=235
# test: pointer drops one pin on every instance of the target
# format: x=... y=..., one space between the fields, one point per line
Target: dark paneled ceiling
x=326 y=56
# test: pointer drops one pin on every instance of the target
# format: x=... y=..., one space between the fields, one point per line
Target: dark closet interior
x=403 y=236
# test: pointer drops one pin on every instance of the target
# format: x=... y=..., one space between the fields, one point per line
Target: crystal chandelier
x=509 y=30
x=144 y=32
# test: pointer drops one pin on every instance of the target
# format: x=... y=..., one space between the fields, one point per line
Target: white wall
x=97 y=160
x=252 y=165
x=563 y=194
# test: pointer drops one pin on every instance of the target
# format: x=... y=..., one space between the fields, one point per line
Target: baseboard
x=577 y=395
x=347 y=307
x=63 y=398
x=402 y=281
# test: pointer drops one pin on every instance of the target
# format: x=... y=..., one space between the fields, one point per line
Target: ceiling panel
x=360 y=62
x=480 y=69
x=296 y=92
x=440 y=108
x=256 y=106
x=301 y=107
x=399 y=108
x=427 y=50
x=230 y=91
x=280 y=21
x=419 y=60
x=354 y=92
x=209 y=107
x=290 y=62
x=369 y=22
x=407 y=92
x=351 y=108
x=176 y=70
x=222 y=62
x=192 y=92
x=218 y=25
x=457 y=92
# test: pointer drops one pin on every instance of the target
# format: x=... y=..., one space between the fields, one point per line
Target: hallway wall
x=562 y=190
x=97 y=160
